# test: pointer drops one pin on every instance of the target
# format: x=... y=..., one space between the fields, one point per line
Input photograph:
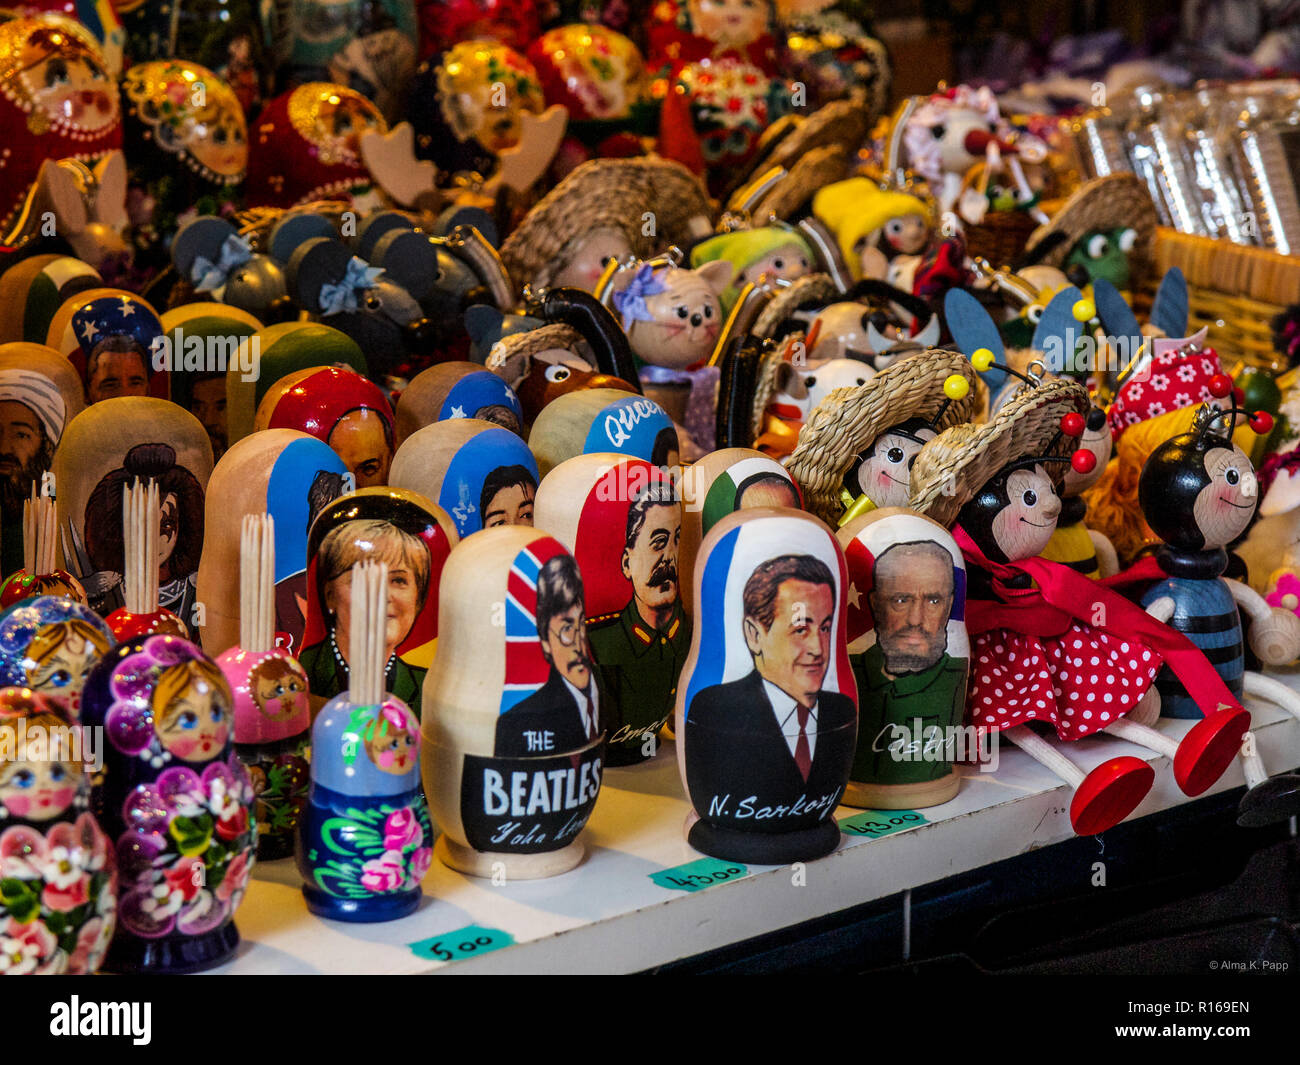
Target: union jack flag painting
x=526 y=666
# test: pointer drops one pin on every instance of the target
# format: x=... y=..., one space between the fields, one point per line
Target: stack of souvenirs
x=382 y=411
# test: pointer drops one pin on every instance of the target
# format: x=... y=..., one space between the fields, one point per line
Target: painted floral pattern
x=188 y=849
x=380 y=850
x=58 y=898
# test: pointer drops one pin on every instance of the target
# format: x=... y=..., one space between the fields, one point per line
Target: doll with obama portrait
x=910 y=653
x=177 y=801
x=413 y=536
x=59 y=905
x=110 y=337
x=49 y=644
x=766 y=712
x=1049 y=646
x=622 y=519
x=454 y=390
x=364 y=836
x=513 y=779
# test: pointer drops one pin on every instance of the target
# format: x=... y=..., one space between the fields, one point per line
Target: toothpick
x=366 y=661
x=257 y=583
x=140 y=546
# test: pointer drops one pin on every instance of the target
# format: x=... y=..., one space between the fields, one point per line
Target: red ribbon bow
x=1060 y=596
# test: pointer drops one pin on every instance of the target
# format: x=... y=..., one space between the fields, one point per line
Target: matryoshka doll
x=290 y=476
x=603 y=420
x=108 y=446
x=766 y=710
x=543 y=732
x=621 y=518
x=39 y=574
x=111 y=337
x=31 y=291
x=304 y=146
x=49 y=644
x=910 y=653
x=364 y=839
x=59 y=905
x=187 y=145
x=453 y=390
x=272 y=717
x=413 y=536
x=176 y=800
x=341 y=408
x=480 y=474
x=59 y=103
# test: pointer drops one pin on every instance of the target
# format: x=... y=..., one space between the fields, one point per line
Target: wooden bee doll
x=58 y=907
x=766 y=713
x=364 y=839
x=40 y=575
x=622 y=519
x=479 y=473
x=49 y=644
x=1073 y=543
x=909 y=652
x=1048 y=645
x=514 y=739
x=176 y=800
x=1198 y=492
x=272 y=717
x=413 y=536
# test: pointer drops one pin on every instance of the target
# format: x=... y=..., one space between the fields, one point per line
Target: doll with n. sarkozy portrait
x=1049 y=644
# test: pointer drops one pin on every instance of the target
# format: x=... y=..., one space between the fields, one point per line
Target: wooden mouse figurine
x=364 y=839
x=221 y=263
x=622 y=519
x=766 y=710
x=272 y=717
x=484 y=757
x=59 y=906
x=49 y=644
x=176 y=800
x=1198 y=492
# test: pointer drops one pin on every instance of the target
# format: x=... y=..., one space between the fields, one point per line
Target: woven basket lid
x=957 y=463
x=847 y=421
x=606 y=194
x=840 y=123
x=812 y=171
x=1105 y=203
x=810 y=287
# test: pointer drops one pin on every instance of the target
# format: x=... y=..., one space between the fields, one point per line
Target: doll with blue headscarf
x=49 y=644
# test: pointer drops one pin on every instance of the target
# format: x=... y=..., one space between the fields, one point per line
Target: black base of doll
x=361 y=911
x=172 y=957
x=273 y=848
x=765 y=848
x=1276 y=799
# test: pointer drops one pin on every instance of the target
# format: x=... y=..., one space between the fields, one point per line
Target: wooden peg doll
x=856 y=450
x=339 y=406
x=141 y=615
x=603 y=420
x=272 y=717
x=910 y=654
x=49 y=644
x=290 y=476
x=766 y=710
x=1198 y=491
x=621 y=518
x=413 y=536
x=457 y=390
x=1073 y=543
x=512 y=778
x=269 y=354
x=479 y=473
x=364 y=838
x=33 y=289
x=735 y=478
x=1041 y=631
x=59 y=907
x=111 y=444
x=176 y=801
x=40 y=575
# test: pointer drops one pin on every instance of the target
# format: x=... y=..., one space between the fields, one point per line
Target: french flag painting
x=526 y=666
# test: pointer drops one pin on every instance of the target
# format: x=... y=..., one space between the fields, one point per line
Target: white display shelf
x=608 y=916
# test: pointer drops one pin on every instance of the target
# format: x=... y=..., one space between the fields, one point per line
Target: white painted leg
x=1044 y=752
x=1274 y=691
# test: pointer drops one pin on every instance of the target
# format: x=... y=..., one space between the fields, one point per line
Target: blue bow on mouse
x=337 y=297
x=209 y=276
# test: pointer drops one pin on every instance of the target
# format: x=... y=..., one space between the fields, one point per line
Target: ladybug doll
x=1073 y=543
x=1198 y=493
x=1049 y=646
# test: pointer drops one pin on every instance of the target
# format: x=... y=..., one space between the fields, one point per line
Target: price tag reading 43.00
x=876 y=823
x=695 y=876
x=467 y=942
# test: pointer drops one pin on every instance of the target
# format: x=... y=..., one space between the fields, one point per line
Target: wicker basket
x=1000 y=238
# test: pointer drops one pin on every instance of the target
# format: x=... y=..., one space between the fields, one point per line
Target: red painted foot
x=1109 y=794
x=1209 y=749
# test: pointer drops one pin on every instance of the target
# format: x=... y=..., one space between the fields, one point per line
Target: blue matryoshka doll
x=50 y=644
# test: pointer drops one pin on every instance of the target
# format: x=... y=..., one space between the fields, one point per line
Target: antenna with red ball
x=1211 y=417
x=1081 y=460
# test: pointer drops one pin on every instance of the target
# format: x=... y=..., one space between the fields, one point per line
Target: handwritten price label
x=467 y=942
x=696 y=876
x=876 y=823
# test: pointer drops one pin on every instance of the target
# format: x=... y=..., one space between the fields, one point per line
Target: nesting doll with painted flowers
x=58 y=905
x=1051 y=649
x=49 y=644
x=176 y=800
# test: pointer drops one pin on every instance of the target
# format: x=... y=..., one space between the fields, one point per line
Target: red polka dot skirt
x=1080 y=681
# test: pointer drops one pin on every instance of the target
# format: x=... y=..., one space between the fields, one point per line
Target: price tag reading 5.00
x=695 y=876
x=876 y=823
x=467 y=942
